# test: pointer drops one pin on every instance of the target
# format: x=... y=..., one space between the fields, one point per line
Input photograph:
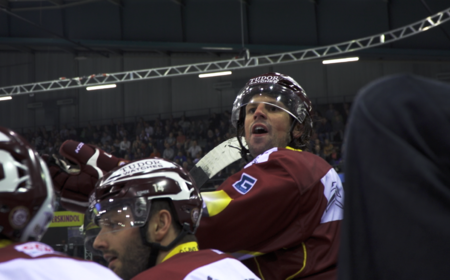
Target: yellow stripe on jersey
x=182 y=248
x=216 y=201
x=259 y=270
x=292 y=149
x=304 y=263
x=243 y=255
x=5 y=242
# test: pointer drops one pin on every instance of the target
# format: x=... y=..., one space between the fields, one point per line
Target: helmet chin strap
x=156 y=247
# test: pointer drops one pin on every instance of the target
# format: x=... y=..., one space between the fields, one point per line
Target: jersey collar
x=292 y=149
x=182 y=248
x=5 y=242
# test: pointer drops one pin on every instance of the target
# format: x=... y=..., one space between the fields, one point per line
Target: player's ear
x=160 y=225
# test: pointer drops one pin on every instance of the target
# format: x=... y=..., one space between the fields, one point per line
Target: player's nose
x=100 y=242
x=260 y=111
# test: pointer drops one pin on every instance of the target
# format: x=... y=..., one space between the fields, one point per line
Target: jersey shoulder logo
x=334 y=192
x=35 y=249
x=245 y=184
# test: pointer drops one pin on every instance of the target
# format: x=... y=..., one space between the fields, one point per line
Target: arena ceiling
x=112 y=27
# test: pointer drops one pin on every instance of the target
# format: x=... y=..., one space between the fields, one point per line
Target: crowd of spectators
x=185 y=140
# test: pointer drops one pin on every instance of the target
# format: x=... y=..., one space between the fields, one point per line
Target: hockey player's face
x=123 y=250
x=266 y=126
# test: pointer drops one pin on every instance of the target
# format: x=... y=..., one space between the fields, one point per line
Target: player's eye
x=272 y=108
x=251 y=110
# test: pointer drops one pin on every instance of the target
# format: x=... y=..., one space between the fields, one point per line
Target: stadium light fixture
x=216 y=74
x=340 y=60
x=101 y=87
x=4 y=98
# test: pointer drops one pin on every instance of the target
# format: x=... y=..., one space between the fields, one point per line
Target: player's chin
x=258 y=147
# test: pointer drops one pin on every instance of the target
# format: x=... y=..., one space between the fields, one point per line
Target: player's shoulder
x=28 y=250
x=287 y=156
x=36 y=260
x=192 y=265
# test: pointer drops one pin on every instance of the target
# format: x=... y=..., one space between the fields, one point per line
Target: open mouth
x=259 y=129
x=110 y=260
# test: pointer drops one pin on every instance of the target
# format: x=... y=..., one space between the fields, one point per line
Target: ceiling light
x=340 y=60
x=3 y=98
x=101 y=87
x=207 y=75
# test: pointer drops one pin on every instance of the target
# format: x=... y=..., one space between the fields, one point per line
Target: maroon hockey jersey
x=280 y=215
x=185 y=262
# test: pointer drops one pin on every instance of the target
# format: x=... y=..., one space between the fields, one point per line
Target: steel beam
x=234 y=64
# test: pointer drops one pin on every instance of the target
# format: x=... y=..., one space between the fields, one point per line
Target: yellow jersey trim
x=216 y=201
x=292 y=149
x=5 y=242
x=304 y=263
x=239 y=254
x=182 y=248
x=259 y=270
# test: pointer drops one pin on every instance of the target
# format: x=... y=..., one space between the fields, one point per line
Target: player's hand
x=75 y=175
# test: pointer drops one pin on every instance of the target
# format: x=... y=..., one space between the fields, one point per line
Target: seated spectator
x=323 y=130
x=197 y=158
x=210 y=140
x=168 y=152
x=105 y=138
x=338 y=126
x=328 y=149
x=180 y=157
x=96 y=137
x=137 y=144
x=184 y=124
x=155 y=153
x=170 y=139
x=138 y=154
x=124 y=146
x=148 y=149
x=187 y=166
x=179 y=148
x=194 y=149
x=181 y=138
x=148 y=129
x=318 y=151
x=217 y=132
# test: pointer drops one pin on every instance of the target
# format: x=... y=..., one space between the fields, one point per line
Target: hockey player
x=397 y=173
x=148 y=212
x=26 y=210
x=281 y=213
